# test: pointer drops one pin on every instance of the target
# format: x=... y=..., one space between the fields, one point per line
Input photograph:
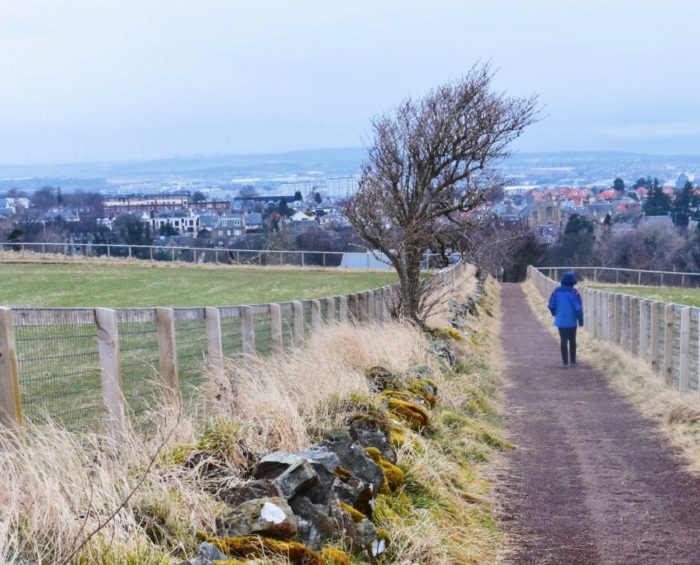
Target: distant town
x=285 y=205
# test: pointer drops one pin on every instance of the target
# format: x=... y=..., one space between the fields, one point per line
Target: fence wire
x=59 y=367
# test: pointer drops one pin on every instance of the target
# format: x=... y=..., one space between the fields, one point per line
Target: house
x=230 y=225
x=253 y=222
x=184 y=221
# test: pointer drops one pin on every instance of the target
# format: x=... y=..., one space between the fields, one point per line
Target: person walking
x=567 y=309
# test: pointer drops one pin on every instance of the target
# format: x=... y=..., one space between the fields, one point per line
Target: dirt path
x=590 y=481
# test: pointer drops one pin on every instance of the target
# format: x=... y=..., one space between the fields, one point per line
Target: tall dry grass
x=278 y=400
x=57 y=486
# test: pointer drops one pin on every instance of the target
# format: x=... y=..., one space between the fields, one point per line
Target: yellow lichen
x=383 y=534
x=412 y=413
x=423 y=388
x=335 y=556
x=397 y=434
x=254 y=547
x=356 y=515
x=392 y=474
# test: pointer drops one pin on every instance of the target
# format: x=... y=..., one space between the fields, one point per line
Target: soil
x=590 y=481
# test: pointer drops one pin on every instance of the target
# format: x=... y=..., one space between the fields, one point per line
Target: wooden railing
x=664 y=335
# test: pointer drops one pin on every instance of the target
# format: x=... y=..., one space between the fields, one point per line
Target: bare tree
x=430 y=166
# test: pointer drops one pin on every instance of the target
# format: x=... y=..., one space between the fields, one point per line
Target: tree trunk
x=411 y=288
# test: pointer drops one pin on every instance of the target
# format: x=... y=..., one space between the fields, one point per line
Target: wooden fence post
x=247 y=330
x=654 y=323
x=298 y=323
x=643 y=329
x=668 y=344
x=618 y=319
x=684 y=362
x=379 y=304
x=167 y=350
x=114 y=417
x=331 y=310
x=276 y=329
x=10 y=400
x=634 y=326
x=315 y=315
x=371 y=306
x=343 y=308
x=355 y=307
x=215 y=352
x=625 y=322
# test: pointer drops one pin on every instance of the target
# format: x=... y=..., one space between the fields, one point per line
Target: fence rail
x=335 y=259
x=92 y=367
x=627 y=276
x=664 y=335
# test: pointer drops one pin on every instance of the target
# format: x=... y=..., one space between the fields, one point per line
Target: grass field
x=123 y=286
x=687 y=296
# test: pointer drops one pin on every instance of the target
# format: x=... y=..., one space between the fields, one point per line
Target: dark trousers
x=567 y=337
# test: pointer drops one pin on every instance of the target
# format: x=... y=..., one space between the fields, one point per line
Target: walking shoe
x=574 y=364
x=564 y=366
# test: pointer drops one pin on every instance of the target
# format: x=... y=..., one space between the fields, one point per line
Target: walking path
x=590 y=481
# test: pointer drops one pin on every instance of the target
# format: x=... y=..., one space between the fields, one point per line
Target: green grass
x=124 y=286
x=686 y=296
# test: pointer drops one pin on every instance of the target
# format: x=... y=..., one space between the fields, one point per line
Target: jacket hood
x=568 y=279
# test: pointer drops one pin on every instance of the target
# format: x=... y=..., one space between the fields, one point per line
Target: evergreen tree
x=619 y=186
x=658 y=203
x=682 y=202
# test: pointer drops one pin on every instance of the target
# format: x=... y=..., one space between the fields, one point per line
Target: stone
x=296 y=478
x=367 y=432
x=317 y=524
x=274 y=464
x=270 y=516
x=238 y=494
x=440 y=348
x=210 y=552
x=353 y=458
x=208 y=466
x=382 y=378
x=355 y=492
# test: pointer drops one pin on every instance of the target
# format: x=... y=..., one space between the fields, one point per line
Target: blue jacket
x=565 y=303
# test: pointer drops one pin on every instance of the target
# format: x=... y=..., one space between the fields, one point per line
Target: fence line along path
x=92 y=368
x=664 y=335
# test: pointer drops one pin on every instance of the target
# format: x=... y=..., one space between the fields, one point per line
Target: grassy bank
x=139 y=285
x=58 y=487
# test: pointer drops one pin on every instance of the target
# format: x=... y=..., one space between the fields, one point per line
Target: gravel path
x=590 y=481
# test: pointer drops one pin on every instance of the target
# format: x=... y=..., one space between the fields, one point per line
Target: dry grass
x=676 y=415
x=55 y=486
x=280 y=401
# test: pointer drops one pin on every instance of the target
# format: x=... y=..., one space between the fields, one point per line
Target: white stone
x=272 y=513
x=378 y=547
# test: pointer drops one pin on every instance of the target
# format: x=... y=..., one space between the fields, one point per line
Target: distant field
x=115 y=286
x=687 y=296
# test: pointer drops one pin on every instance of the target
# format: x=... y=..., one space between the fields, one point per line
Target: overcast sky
x=124 y=79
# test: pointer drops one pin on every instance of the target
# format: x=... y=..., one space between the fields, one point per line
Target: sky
x=87 y=80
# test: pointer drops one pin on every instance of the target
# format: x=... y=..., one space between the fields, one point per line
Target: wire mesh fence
x=74 y=366
x=58 y=362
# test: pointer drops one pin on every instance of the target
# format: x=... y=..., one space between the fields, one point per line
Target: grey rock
x=355 y=492
x=367 y=432
x=317 y=523
x=353 y=458
x=209 y=551
x=235 y=495
x=440 y=348
x=264 y=516
x=274 y=464
x=296 y=478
